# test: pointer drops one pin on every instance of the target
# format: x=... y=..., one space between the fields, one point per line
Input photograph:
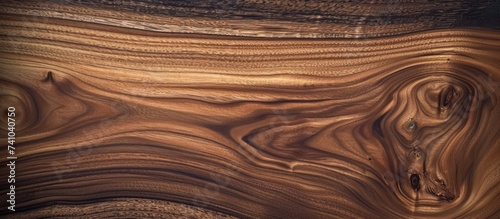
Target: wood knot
x=49 y=77
x=415 y=182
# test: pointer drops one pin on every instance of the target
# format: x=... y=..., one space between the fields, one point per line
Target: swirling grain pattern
x=158 y=119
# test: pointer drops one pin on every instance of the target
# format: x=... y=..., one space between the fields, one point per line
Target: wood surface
x=252 y=109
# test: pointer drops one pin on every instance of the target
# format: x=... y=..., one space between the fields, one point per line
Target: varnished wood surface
x=251 y=109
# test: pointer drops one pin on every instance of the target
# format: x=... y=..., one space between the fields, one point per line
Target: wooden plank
x=250 y=109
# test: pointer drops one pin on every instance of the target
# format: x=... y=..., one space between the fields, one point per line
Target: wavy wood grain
x=149 y=117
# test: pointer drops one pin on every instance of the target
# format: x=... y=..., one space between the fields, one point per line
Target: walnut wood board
x=251 y=109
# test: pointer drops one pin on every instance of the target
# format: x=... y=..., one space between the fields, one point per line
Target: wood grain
x=251 y=109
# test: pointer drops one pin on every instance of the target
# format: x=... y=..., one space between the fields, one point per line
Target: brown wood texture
x=251 y=109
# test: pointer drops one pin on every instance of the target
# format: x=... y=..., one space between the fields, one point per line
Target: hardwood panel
x=251 y=109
